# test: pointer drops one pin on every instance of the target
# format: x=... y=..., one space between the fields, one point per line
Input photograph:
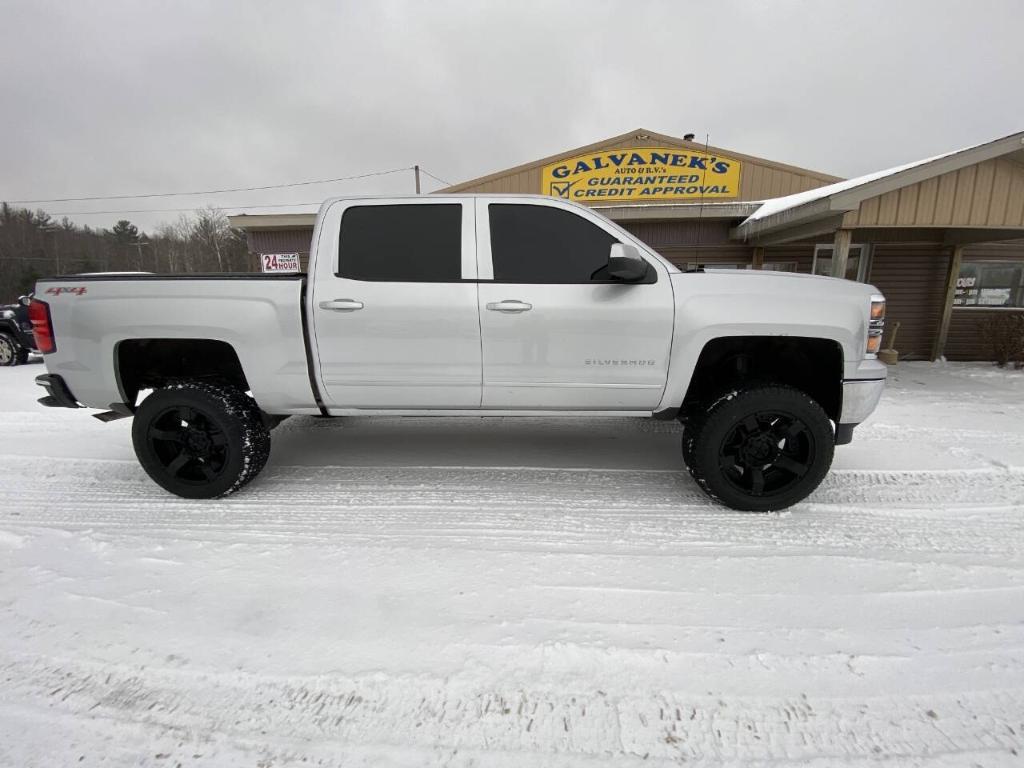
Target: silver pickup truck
x=471 y=306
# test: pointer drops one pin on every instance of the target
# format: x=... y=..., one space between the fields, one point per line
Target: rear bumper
x=57 y=393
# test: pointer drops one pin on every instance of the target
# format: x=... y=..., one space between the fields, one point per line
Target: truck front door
x=393 y=305
x=557 y=332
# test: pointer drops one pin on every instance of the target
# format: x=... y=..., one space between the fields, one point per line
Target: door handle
x=341 y=305
x=509 y=306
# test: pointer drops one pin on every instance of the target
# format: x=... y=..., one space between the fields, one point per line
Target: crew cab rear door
x=393 y=306
x=557 y=333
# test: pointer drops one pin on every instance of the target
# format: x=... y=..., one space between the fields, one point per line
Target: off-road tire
x=779 y=425
x=221 y=441
x=10 y=351
x=691 y=428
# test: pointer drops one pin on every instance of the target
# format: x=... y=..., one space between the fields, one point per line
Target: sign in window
x=990 y=284
x=279 y=262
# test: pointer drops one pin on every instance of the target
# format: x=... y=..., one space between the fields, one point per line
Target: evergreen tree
x=125 y=232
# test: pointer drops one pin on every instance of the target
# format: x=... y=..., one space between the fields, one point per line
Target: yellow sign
x=642 y=174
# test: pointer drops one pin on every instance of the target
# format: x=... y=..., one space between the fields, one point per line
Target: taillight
x=42 y=327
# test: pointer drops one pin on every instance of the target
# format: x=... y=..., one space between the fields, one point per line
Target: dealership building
x=942 y=238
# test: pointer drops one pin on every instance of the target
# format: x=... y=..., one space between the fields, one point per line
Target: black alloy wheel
x=767 y=453
x=760 y=449
x=189 y=445
x=200 y=440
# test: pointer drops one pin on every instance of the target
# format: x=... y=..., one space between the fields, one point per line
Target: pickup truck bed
x=258 y=316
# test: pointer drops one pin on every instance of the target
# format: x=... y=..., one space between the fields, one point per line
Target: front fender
x=715 y=306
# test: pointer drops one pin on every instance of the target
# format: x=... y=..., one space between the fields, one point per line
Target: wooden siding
x=1009 y=250
x=801 y=254
x=759 y=178
x=967 y=339
x=685 y=232
x=913 y=279
x=987 y=194
x=691 y=242
x=709 y=254
x=685 y=242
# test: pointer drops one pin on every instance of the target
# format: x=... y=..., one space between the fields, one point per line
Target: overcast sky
x=106 y=98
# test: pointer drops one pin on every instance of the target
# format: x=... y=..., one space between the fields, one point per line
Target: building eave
x=674 y=211
x=850 y=194
x=251 y=222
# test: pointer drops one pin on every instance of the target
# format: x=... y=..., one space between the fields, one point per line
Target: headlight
x=876 y=325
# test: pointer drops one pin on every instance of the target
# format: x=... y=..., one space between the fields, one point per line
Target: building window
x=782 y=266
x=856 y=263
x=990 y=284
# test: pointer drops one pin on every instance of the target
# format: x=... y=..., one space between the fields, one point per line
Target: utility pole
x=416 y=171
x=56 y=247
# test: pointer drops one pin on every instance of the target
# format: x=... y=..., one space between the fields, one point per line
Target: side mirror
x=626 y=264
x=24 y=300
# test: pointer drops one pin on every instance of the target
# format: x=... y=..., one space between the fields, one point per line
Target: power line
x=233 y=207
x=176 y=210
x=436 y=178
x=214 y=191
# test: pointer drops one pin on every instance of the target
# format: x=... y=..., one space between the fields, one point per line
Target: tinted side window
x=537 y=244
x=401 y=243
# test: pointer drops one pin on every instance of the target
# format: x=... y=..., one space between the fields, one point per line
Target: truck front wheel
x=761 y=449
x=200 y=440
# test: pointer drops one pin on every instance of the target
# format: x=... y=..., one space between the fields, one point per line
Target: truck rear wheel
x=761 y=449
x=200 y=440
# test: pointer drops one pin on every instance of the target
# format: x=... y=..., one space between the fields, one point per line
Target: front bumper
x=860 y=396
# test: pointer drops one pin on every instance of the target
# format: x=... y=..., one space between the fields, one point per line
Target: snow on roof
x=780 y=204
x=284 y=209
x=705 y=204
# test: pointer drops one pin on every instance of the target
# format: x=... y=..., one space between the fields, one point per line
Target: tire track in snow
x=422 y=485
x=967 y=511
x=433 y=714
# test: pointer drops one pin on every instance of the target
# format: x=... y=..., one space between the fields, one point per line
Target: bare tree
x=32 y=245
x=211 y=233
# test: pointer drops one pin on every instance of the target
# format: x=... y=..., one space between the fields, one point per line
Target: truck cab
x=485 y=303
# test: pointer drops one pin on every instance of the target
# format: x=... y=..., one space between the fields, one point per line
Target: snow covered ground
x=516 y=592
